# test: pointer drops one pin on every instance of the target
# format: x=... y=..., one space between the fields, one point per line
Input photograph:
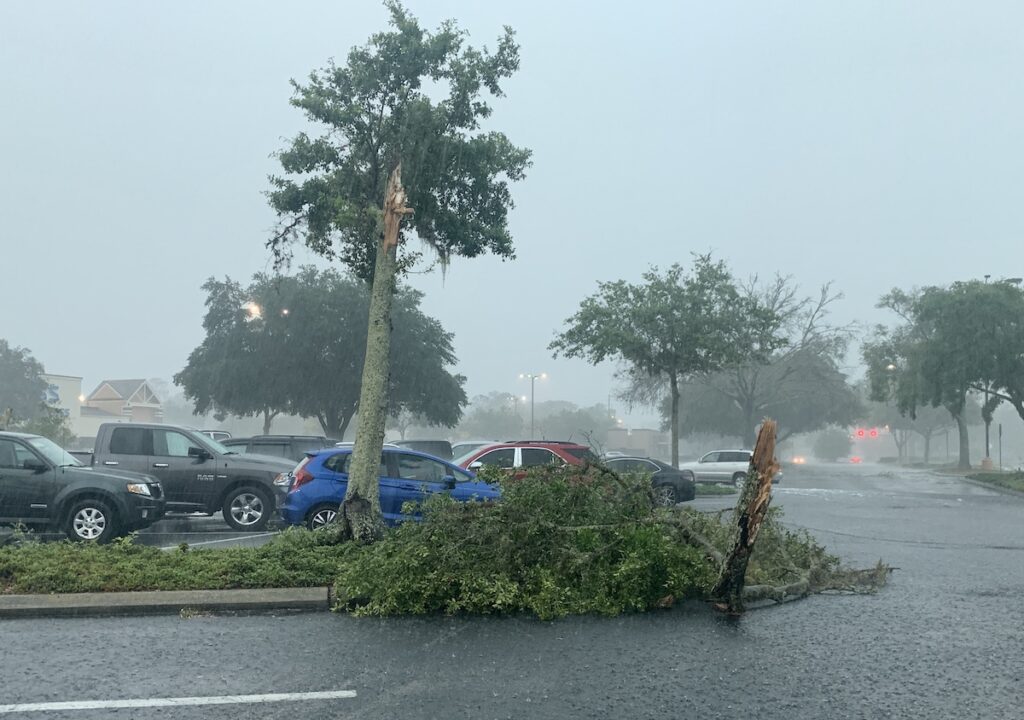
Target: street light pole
x=532 y=377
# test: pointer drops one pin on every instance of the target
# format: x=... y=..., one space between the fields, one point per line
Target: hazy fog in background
x=873 y=143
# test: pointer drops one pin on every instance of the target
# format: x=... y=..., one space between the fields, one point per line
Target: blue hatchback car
x=318 y=485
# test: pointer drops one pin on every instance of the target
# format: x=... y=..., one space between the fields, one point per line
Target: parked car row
x=139 y=472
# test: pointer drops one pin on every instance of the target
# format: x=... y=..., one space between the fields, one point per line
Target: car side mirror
x=199 y=453
x=476 y=465
x=449 y=482
x=35 y=465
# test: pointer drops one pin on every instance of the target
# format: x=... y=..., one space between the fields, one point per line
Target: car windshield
x=53 y=452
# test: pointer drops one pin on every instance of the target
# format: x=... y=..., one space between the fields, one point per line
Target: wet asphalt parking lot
x=945 y=639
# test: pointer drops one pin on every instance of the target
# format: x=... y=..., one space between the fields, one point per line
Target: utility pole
x=532 y=377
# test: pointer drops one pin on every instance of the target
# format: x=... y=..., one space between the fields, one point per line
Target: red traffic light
x=860 y=432
x=874 y=432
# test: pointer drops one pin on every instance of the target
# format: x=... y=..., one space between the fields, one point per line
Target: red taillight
x=302 y=476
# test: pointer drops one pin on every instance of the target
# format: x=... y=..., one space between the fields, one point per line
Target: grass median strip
x=293 y=559
x=1009 y=480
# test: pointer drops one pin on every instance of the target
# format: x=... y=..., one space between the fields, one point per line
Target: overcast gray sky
x=870 y=143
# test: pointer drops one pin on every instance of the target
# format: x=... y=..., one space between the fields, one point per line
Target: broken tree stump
x=751 y=508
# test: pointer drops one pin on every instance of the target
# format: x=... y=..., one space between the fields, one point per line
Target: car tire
x=321 y=515
x=664 y=495
x=738 y=480
x=91 y=520
x=247 y=508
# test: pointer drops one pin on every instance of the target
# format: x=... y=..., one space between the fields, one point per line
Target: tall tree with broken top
x=402 y=154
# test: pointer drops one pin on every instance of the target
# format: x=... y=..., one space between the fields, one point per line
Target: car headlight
x=139 y=489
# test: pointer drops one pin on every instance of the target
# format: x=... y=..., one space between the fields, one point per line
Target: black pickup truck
x=41 y=484
x=198 y=474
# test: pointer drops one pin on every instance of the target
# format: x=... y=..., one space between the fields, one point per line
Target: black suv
x=41 y=484
x=291 y=447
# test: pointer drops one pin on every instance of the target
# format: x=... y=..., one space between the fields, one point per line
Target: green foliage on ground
x=293 y=559
x=1011 y=480
x=559 y=543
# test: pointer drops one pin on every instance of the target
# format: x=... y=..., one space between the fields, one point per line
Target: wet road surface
x=945 y=639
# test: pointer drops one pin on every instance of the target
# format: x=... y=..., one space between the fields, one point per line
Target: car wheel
x=247 y=509
x=739 y=479
x=91 y=521
x=665 y=495
x=321 y=515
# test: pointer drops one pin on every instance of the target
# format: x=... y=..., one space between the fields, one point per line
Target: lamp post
x=532 y=377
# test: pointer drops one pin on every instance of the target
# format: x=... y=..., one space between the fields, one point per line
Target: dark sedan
x=670 y=485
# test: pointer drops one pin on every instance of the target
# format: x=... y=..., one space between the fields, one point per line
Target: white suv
x=721 y=466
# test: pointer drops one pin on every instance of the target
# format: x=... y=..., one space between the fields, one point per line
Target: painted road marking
x=177 y=702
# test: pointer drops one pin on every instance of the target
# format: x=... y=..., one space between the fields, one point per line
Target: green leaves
x=304 y=352
x=374 y=112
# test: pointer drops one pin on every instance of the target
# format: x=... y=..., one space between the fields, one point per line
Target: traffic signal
x=873 y=433
x=860 y=432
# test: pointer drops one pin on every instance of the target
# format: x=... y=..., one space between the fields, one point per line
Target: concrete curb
x=162 y=602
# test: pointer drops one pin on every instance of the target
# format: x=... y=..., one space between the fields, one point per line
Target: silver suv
x=723 y=466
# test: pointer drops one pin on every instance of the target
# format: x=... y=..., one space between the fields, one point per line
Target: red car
x=517 y=454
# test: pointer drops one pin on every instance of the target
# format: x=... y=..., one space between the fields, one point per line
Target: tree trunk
x=360 y=515
x=927 y=447
x=674 y=388
x=749 y=431
x=965 y=446
x=268 y=419
x=751 y=508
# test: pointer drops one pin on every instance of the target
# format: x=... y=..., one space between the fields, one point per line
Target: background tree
x=674 y=326
x=951 y=342
x=583 y=425
x=831 y=444
x=238 y=368
x=308 y=341
x=401 y=140
x=801 y=385
x=496 y=416
x=21 y=387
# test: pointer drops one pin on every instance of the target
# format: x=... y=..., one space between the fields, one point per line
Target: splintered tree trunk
x=751 y=508
x=360 y=515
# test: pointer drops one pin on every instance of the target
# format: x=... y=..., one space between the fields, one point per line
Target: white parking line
x=224 y=540
x=176 y=702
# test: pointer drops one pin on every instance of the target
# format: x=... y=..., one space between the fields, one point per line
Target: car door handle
x=160 y=465
x=110 y=462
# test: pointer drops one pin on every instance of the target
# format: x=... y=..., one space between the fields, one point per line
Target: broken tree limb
x=751 y=508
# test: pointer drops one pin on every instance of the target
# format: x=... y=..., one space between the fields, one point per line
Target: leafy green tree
x=21 y=387
x=237 y=369
x=673 y=326
x=295 y=344
x=801 y=385
x=405 y=108
x=951 y=342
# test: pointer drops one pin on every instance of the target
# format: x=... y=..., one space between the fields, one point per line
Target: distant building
x=118 y=401
x=64 y=392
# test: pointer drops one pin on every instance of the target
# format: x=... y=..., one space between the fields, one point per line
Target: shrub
x=560 y=542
